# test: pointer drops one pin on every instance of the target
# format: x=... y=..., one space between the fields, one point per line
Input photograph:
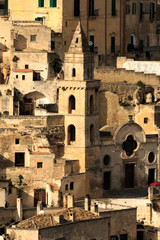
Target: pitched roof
x=22 y=70
x=79 y=43
x=47 y=219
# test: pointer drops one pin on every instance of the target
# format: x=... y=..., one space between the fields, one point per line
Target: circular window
x=106 y=160
x=151 y=157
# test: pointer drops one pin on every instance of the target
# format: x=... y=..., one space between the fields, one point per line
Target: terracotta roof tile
x=22 y=70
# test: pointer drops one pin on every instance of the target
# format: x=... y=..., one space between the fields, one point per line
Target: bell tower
x=78 y=101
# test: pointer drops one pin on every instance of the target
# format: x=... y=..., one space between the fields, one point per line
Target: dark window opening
x=71 y=185
x=127 y=9
x=39 y=19
x=76 y=8
x=71 y=134
x=36 y=76
x=152 y=10
x=145 y=120
x=53 y=3
x=112 y=44
x=129 y=175
x=72 y=105
x=91 y=7
x=140 y=11
x=92 y=43
x=91 y=104
x=129 y=145
x=73 y=72
x=123 y=237
x=76 y=40
x=151 y=157
x=16 y=76
x=106 y=180
x=92 y=134
x=19 y=159
x=114 y=238
x=26 y=66
x=52 y=45
x=23 y=77
x=16 y=141
x=39 y=164
x=66 y=23
x=134 y=8
x=66 y=187
x=65 y=43
x=113 y=7
x=151 y=175
x=106 y=160
x=40 y=3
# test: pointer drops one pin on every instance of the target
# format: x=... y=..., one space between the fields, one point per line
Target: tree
x=56 y=63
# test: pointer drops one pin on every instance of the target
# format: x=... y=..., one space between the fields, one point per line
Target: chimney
x=72 y=216
x=39 y=207
x=70 y=201
x=94 y=207
x=19 y=209
x=65 y=201
x=59 y=219
x=150 y=192
x=87 y=203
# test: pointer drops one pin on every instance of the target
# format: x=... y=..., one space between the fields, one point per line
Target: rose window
x=129 y=145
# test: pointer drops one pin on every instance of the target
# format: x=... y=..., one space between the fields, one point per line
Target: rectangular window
x=33 y=38
x=113 y=7
x=26 y=66
x=76 y=8
x=23 y=77
x=91 y=7
x=53 y=3
x=40 y=3
x=112 y=44
x=123 y=237
x=16 y=76
x=91 y=43
x=106 y=180
x=71 y=185
x=66 y=187
x=52 y=45
x=134 y=8
x=145 y=120
x=16 y=141
x=140 y=11
x=113 y=238
x=19 y=159
x=151 y=10
x=39 y=164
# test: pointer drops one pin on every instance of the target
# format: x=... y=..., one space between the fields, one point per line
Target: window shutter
x=6 y=5
x=113 y=7
x=54 y=3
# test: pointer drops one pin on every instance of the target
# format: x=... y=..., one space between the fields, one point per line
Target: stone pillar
x=87 y=203
x=70 y=201
x=19 y=209
x=149 y=212
x=150 y=192
x=39 y=207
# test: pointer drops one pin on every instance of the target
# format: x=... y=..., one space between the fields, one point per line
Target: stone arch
x=32 y=100
x=72 y=104
x=71 y=134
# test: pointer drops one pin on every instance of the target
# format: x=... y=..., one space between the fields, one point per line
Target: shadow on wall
x=20 y=42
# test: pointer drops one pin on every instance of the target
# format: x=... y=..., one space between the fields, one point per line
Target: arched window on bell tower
x=91 y=104
x=72 y=104
x=92 y=134
x=71 y=134
x=73 y=72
